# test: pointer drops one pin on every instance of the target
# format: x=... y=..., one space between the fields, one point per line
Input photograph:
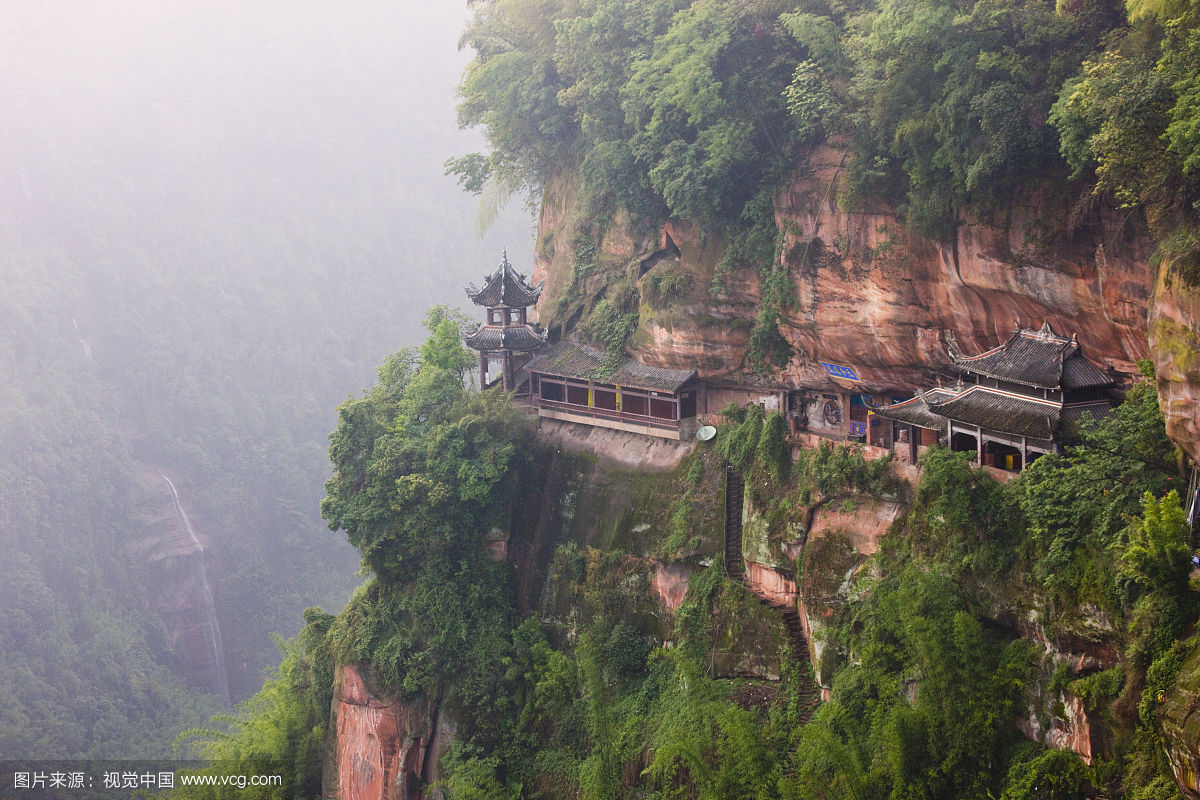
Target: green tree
x=1158 y=556
x=954 y=99
x=423 y=468
x=1078 y=503
x=1131 y=118
x=279 y=731
x=706 y=111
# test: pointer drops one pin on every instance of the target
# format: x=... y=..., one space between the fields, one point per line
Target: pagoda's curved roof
x=1001 y=411
x=1039 y=358
x=506 y=287
x=991 y=409
x=488 y=338
x=916 y=410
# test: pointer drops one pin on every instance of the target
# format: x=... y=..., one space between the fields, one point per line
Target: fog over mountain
x=216 y=219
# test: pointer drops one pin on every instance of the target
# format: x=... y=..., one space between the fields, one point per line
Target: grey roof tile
x=505 y=287
x=489 y=338
x=571 y=360
x=1039 y=358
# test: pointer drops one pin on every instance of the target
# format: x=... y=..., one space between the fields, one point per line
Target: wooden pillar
x=483 y=367
x=979 y=445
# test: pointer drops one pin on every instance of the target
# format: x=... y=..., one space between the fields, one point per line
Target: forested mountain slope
x=215 y=221
x=746 y=189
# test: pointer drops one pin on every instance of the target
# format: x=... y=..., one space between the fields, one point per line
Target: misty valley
x=600 y=400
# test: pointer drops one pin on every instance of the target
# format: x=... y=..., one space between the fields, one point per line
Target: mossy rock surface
x=748 y=638
x=1180 y=719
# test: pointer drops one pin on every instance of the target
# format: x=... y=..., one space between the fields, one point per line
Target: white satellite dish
x=705 y=433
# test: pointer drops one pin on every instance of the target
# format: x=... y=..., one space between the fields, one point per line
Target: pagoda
x=1010 y=404
x=507 y=336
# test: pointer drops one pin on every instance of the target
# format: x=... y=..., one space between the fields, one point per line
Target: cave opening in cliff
x=669 y=252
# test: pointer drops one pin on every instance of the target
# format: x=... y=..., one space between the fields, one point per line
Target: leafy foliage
x=585 y=700
x=1077 y=504
x=666 y=106
x=422 y=470
x=962 y=517
x=924 y=709
x=279 y=731
x=955 y=101
x=1131 y=115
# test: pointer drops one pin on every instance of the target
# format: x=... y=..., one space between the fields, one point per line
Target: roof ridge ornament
x=505 y=287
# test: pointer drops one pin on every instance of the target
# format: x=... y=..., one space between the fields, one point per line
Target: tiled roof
x=916 y=410
x=1080 y=372
x=999 y=411
x=489 y=338
x=1098 y=411
x=571 y=360
x=505 y=287
x=1039 y=358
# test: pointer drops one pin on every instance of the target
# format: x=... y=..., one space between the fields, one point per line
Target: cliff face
x=881 y=298
x=1175 y=343
x=381 y=748
x=833 y=554
x=873 y=295
x=1180 y=717
x=178 y=581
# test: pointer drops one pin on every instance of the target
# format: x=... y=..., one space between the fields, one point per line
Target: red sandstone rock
x=864 y=522
x=774 y=587
x=1175 y=343
x=1072 y=731
x=380 y=742
x=882 y=299
x=671 y=583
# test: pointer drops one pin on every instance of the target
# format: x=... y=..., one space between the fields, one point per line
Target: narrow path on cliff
x=735 y=570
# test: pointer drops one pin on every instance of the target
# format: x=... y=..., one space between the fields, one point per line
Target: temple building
x=507 y=336
x=1011 y=404
x=574 y=382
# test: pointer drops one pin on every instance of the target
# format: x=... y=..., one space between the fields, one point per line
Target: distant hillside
x=215 y=222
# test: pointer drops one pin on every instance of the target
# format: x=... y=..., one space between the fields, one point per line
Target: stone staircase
x=735 y=491
x=735 y=570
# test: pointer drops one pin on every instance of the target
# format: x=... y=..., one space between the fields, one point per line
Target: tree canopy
x=944 y=108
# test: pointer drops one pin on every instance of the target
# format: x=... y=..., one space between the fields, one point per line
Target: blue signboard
x=838 y=371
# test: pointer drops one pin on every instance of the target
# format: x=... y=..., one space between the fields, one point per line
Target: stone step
x=735 y=569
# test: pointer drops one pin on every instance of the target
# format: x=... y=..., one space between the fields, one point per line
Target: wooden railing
x=607 y=413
